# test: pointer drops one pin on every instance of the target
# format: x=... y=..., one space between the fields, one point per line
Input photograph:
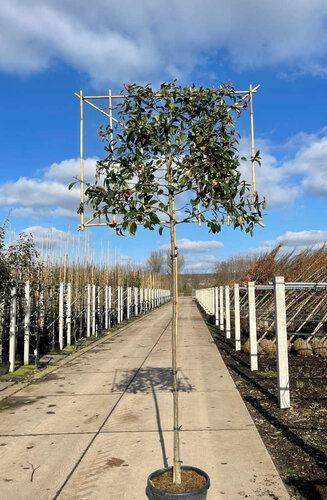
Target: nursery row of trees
x=306 y=308
x=22 y=259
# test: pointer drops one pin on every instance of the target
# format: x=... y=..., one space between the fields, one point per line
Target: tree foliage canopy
x=193 y=130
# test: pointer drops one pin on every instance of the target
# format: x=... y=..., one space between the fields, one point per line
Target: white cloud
x=47 y=195
x=200 y=264
x=115 y=41
x=292 y=240
x=188 y=246
x=310 y=162
x=272 y=180
x=302 y=175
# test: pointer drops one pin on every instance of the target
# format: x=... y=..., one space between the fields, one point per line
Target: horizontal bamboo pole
x=163 y=222
x=123 y=96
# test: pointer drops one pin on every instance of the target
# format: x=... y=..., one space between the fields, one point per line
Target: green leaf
x=132 y=228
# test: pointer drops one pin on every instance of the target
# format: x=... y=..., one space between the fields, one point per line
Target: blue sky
x=51 y=49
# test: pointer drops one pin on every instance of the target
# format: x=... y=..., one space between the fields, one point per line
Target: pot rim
x=185 y=494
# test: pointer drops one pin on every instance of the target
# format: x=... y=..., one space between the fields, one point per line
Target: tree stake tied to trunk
x=171 y=157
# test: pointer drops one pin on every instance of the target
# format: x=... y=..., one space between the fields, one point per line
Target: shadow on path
x=151 y=380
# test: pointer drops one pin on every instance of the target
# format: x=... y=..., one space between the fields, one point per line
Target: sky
x=50 y=49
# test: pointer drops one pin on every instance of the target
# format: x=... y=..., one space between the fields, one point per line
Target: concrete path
x=96 y=427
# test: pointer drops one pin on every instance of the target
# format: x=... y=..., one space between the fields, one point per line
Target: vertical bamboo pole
x=254 y=191
x=12 y=329
x=111 y=136
x=27 y=319
x=81 y=156
x=174 y=261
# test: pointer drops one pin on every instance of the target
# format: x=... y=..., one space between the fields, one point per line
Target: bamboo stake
x=173 y=248
x=81 y=157
x=252 y=147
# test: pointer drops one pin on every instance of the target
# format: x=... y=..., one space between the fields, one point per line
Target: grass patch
x=268 y=374
x=69 y=349
x=21 y=373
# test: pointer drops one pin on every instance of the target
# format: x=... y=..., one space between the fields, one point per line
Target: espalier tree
x=172 y=158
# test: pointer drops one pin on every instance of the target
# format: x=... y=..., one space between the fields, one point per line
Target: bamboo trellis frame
x=87 y=99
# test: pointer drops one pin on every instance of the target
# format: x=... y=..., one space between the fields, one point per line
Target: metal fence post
x=237 y=319
x=252 y=327
x=12 y=329
x=27 y=319
x=281 y=343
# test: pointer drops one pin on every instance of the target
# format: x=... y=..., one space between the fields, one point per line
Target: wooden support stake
x=106 y=307
x=221 y=308
x=109 y=305
x=93 y=310
x=12 y=329
x=283 y=379
x=118 y=305
x=88 y=310
x=237 y=319
x=227 y=312
x=69 y=314
x=61 y=316
x=128 y=305
x=27 y=319
x=252 y=327
x=216 y=306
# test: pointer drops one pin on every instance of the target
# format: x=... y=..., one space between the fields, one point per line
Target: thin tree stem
x=173 y=247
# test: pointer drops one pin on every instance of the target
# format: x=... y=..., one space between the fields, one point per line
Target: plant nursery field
x=296 y=438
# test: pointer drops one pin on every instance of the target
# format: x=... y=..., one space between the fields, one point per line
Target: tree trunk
x=173 y=248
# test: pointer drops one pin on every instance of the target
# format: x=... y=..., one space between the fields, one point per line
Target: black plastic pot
x=154 y=494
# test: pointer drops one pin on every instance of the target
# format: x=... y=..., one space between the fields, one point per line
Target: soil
x=191 y=481
x=295 y=438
